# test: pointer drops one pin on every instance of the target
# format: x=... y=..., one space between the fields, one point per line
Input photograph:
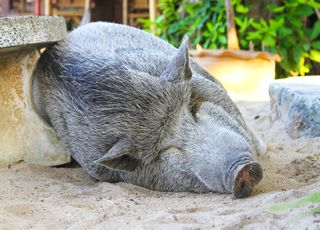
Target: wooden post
x=37 y=7
x=152 y=13
x=233 y=43
x=125 y=12
x=86 y=17
x=48 y=7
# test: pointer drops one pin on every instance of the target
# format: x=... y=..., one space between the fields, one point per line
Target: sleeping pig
x=131 y=107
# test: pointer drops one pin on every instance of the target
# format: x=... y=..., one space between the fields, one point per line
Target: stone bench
x=296 y=101
x=23 y=134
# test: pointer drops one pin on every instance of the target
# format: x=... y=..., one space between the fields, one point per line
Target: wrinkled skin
x=130 y=107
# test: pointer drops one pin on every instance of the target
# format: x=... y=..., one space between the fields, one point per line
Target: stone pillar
x=24 y=136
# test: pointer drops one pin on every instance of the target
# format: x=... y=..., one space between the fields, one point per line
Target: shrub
x=292 y=29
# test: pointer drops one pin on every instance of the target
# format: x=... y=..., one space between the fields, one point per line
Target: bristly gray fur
x=122 y=103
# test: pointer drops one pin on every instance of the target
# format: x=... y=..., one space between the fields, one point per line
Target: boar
x=130 y=107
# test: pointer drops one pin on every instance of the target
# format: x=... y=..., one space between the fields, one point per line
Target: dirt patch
x=37 y=197
x=305 y=170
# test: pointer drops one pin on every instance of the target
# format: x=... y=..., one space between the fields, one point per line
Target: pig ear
x=118 y=157
x=178 y=68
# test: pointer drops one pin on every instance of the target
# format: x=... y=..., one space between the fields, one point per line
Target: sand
x=38 y=197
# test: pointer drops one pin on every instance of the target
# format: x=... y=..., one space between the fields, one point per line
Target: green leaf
x=275 y=24
x=159 y=19
x=315 y=55
x=263 y=23
x=284 y=31
x=222 y=39
x=244 y=43
x=242 y=9
x=313 y=4
x=206 y=44
x=196 y=41
x=306 y=47
x=291 y=4
x=316 y=45
x=203 y=21
x=276 y=9
x=297 y=52
x=221 y=29
x=296 y=21
x=256 y=25
x=210 y=26
x=303 y=10
x=283 y=207
x=239 y=22
x=174 y=28
x=302 y=68
x=268 y=41
x=254 y=36
x=315 y=31
x=312 y=212
x=243 y=23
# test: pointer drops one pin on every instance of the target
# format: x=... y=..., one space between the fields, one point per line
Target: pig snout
x=245 y=176
x=238 y=177
x=224 y=160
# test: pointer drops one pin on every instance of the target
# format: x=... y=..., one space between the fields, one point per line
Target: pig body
x=131 y=107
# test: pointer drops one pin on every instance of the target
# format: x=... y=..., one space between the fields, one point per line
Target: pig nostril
x=245 y=180
x=243 y=184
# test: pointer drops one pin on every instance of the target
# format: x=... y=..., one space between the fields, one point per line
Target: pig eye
x=171 y=149
x=194 y=105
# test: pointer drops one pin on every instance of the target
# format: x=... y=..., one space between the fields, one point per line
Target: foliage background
x=290 y=28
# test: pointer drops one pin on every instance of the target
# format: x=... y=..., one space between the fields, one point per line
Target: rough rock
x=297 y=102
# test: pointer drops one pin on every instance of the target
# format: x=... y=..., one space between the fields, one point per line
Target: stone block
x=23 y=134
x=296 y=101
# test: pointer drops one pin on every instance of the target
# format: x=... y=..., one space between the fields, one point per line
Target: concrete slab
x=23 y=134
x=27 y=31
x=296 y=101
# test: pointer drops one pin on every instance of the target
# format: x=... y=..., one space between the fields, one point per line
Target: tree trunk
x=233 y=43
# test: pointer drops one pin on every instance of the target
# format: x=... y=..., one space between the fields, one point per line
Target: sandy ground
x=37 y=197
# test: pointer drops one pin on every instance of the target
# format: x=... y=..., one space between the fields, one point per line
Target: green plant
x=202 y=21
x=286 y=33
x=312 y=200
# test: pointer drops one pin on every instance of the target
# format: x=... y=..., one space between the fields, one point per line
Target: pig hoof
x=245 y=180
